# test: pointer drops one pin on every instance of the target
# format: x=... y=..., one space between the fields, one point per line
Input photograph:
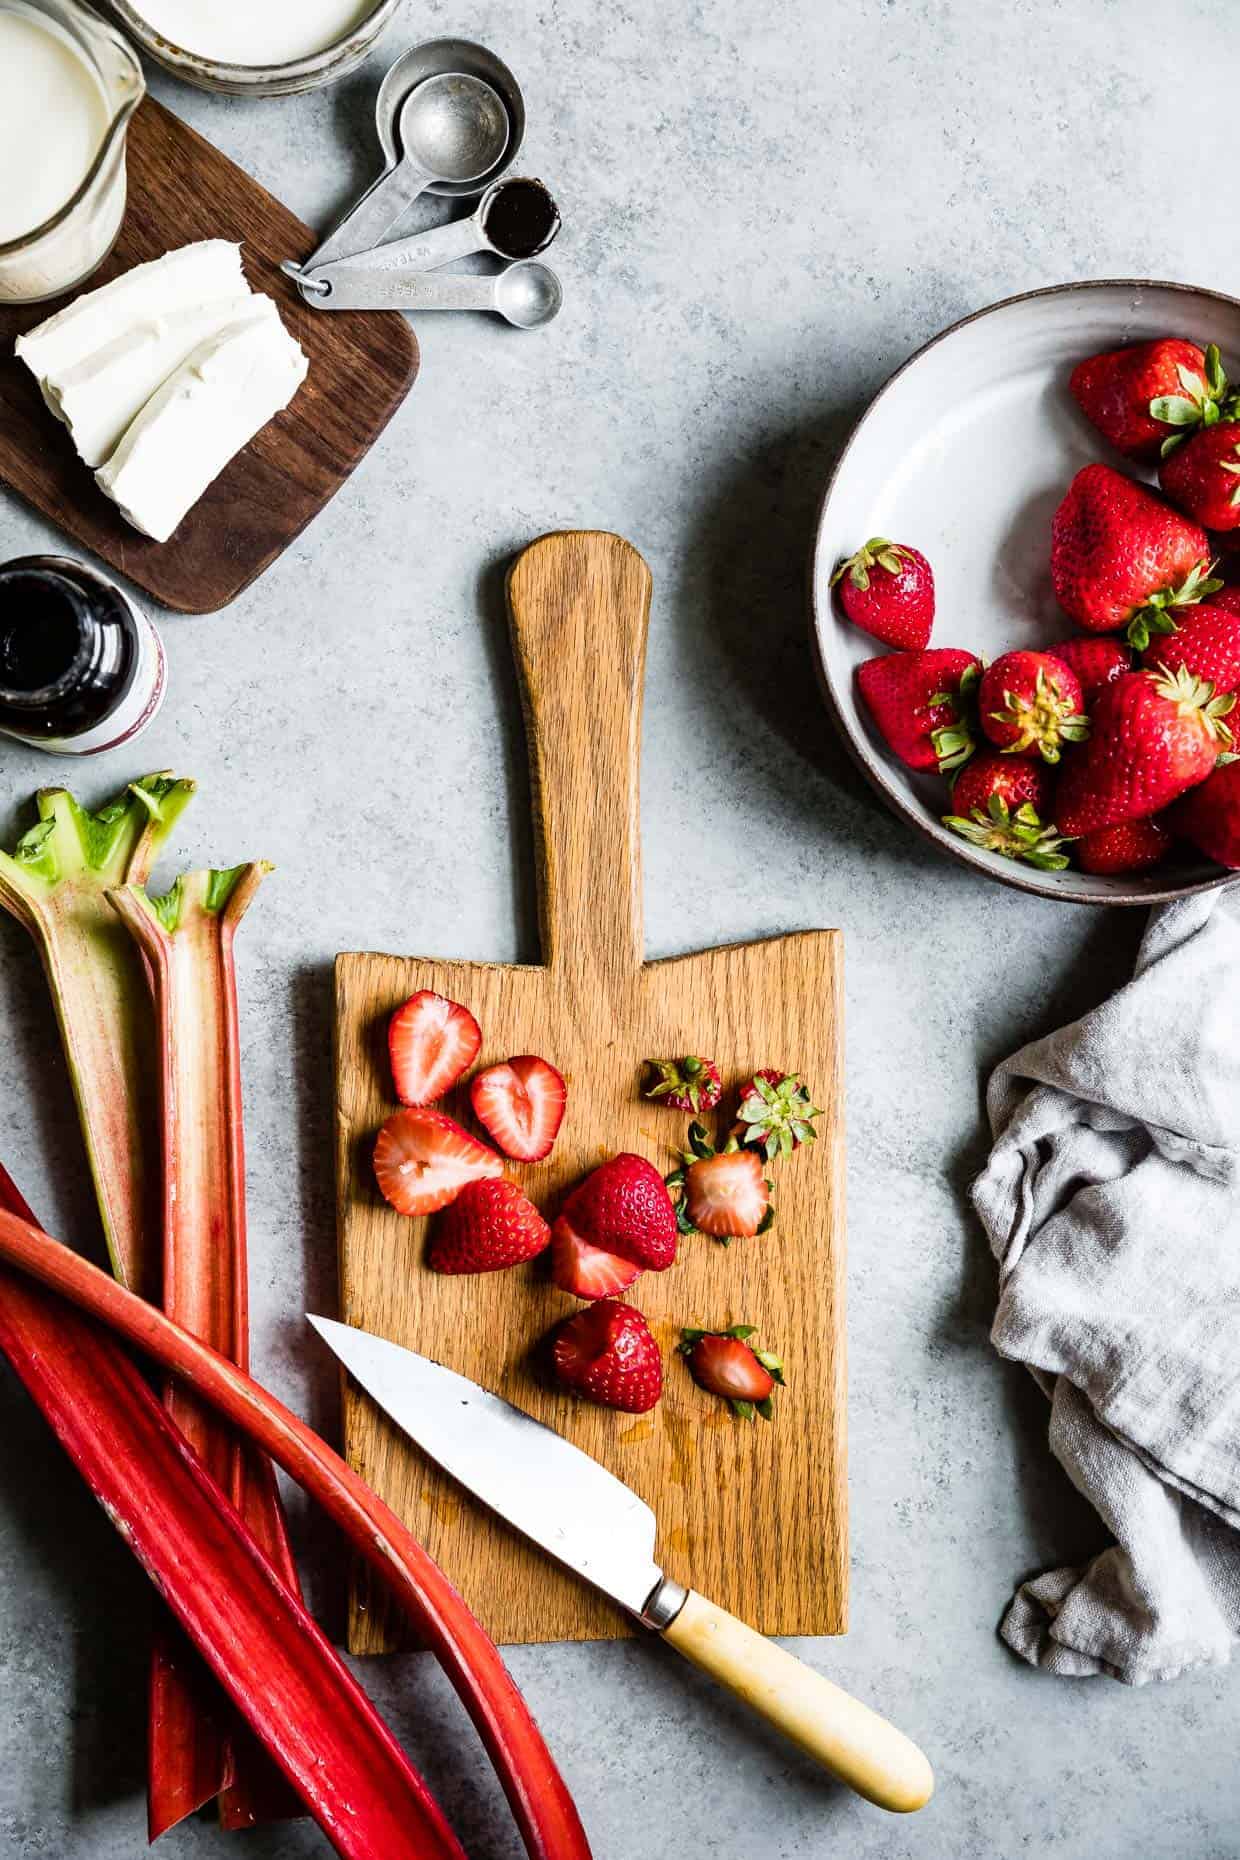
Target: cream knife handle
x=838 y=1731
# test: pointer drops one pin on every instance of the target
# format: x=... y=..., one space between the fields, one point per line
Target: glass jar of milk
x=69 y=83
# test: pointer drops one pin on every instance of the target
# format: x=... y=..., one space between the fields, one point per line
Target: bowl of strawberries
x=1026 y=591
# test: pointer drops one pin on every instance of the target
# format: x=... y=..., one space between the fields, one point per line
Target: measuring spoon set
x=451 y=118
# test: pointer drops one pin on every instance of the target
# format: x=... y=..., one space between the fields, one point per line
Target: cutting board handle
x=579 y=604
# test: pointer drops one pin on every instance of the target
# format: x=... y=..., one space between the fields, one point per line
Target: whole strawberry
x=1018 y=783
x=1121 y=557
x=1132 y=846
x=921 y=703
x=725 y=1363
x=608 y=1354
x=1002 y=805
x=887 y=589
x=489 y=1226
x=1097 y=661
x=1031 y=704
x=1209 y=817
x=1154 y=735
x=1115 y=390
x=775 y=1113
x=1206 y=643
x=1202 y=477
x=1228 y=597
x=690 y=1084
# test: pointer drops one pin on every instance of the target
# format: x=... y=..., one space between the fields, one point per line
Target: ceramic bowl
x=273 y=80
x=965 y=454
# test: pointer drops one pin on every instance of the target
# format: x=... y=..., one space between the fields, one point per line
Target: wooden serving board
x=753 y=1515
x=181 y=189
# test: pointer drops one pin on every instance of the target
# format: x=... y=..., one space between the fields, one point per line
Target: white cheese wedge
x=219 y=398
x=179 y=281
x=99 y=397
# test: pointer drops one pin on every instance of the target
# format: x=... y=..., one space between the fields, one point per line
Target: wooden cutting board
x=753 y=1515
x=361 y=367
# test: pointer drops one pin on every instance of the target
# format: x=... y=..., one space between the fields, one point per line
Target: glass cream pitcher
x=69 y=83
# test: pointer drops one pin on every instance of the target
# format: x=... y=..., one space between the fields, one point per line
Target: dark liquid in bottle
x=522 y=218
x=68 y=648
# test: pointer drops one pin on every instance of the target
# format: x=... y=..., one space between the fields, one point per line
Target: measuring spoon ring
x=525 y=295
x=452 y=127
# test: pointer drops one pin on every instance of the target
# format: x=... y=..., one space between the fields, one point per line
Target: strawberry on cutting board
x=431 y=1042
x=887 y=589
x=423 y=1160
x=1209 y=817
x=1202 y=477
x=1031 y=704
x=1154 y=736
x=616 y=1223
x=608 y=1354
x=723 y=1193
x=520 y=1105
x=1122 y=557
x=1114 y=391
x=921 y=702
x=775 y=1113
x=490 y=1225
x=726 y=1363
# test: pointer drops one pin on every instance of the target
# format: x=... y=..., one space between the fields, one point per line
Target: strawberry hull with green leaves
x=1002 y=805
x=1031 y=704
x=725 y=1363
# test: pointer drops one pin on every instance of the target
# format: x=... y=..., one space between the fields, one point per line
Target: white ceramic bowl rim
x=822 y=613
x=313 y=65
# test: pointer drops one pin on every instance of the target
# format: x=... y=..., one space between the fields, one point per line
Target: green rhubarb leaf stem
x=54 y=883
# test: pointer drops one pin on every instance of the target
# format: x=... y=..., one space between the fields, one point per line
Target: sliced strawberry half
x=585 y=1270
x=432 y=1041
x=423 y=1160
x=520 y=1104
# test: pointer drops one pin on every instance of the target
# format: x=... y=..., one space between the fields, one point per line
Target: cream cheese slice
x=221 y=396
x=179 y=281
x=99 y=397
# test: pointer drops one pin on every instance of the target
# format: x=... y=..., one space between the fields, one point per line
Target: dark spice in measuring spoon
x=522 y=219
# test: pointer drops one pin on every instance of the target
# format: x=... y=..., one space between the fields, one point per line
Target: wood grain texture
x=362 y=366
x=753 y=1515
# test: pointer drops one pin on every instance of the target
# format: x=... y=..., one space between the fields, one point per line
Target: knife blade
x=537 y=1481
x=581 y=1514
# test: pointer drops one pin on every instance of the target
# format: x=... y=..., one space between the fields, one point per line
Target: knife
x=586 y=1518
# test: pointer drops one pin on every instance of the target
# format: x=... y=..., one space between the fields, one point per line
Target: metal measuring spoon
x=451 y=127
x=525 y=295
x=516 y=219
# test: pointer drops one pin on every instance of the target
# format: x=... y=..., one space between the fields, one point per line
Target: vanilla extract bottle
x=81 y=669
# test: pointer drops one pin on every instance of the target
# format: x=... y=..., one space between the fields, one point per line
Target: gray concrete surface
x=766 y=209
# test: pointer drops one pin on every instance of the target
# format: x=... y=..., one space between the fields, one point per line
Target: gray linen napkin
x=1112 y=1203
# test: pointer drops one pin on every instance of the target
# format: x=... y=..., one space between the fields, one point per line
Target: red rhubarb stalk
x=186 y=938
x=540 y=1802
x=54 y=883
x=277 y=1668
